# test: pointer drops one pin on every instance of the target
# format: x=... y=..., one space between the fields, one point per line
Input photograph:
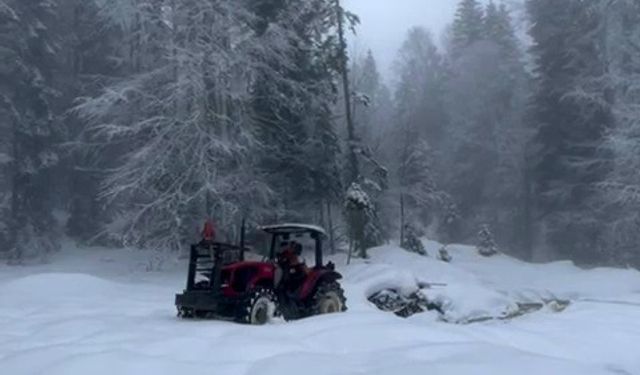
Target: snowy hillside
x=56 y=319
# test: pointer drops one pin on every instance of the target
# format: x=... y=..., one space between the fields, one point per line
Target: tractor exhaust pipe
x=242 y=233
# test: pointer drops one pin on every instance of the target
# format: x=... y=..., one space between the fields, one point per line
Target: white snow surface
x=96 y=311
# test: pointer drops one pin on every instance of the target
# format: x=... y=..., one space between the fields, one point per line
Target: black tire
x=329 y=298
x=258 y=307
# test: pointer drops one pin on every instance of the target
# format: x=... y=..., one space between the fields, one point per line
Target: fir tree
x=498 y=27
x=468 y=25
x=88 y=60
x=411 y=241
x=187 y=113
x=486 y=244
x=619 y=87
x=569 y=129
x=443 y=254
x=361 y=220
x=26 y=99
x=366 y=86
x=486 y=93
x=299 y=142
x=420 y=123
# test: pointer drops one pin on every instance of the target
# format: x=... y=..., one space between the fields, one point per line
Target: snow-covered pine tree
x=419 y=95
x=619 y=85
x=89 y=45
x=372 y=107
x=419 y=196
x=569 y=128
x=499 y=28
x=467 y=27
x=486 y=243
x=420 y=119
x=300 y=146
x=450 y=221
x=361 y=220
x=7 y=15
x=26 y=65
x=367 y=88
x=486 y=92
x=374 y=120
x=443 y=254
x=187 y=121
x=411 y=241
x=510 y=91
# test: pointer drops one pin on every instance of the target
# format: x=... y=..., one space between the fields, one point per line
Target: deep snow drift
x=57 y=319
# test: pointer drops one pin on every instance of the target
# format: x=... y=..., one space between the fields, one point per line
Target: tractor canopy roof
x=293 y=228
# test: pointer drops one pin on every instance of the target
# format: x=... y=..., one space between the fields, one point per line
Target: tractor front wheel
x=329 y=298
x=258 y=308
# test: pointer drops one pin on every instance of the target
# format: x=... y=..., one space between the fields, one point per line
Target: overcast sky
x=384 y=24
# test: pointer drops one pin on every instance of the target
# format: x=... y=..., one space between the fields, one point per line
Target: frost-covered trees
x=364 y=173
x=27 y=147
x=485 y=100
x=419 y=123
x=411 y=241
x=566 y=162
x=299 y=146
x=618 y=88
x=361 y=220
x=88 y=59
x=486 y=244
x=185 y=118
x=371 y=107
x=459 y=128
x=182 y=110
x=443 y=254
x=225 y=111
x=467 y=28
x=134 y=120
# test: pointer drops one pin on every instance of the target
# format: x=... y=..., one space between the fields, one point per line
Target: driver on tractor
x=294 y=270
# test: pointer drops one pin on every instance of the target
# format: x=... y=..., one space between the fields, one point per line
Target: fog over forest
x=128 y=123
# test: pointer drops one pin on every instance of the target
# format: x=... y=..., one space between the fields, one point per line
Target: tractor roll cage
x=208 y=258
x=316 y=232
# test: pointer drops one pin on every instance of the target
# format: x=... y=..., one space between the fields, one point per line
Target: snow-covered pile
x=462 y=298
x=473 y=287
x=56 y=319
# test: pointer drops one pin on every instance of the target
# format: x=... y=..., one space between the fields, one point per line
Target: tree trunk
x=332 y=243
x=527 y=224
x=321 y=214
x=354 y=169
x=401 y=219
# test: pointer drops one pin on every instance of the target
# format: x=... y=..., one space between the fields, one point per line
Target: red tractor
x=222 y=284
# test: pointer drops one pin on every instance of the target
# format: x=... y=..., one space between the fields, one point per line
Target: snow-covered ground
x=99 y=312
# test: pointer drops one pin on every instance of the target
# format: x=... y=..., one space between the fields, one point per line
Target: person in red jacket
x=208 y=232
x=295 y=270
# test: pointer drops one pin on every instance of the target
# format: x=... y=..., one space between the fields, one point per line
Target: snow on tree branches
x=486 y=244
x=361 y=219
x=412 y=241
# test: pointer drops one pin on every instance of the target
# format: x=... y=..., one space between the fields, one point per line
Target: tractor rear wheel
x=329 y=298
x=258 y=308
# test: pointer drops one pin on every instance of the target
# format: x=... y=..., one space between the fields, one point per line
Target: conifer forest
x=127 y=123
